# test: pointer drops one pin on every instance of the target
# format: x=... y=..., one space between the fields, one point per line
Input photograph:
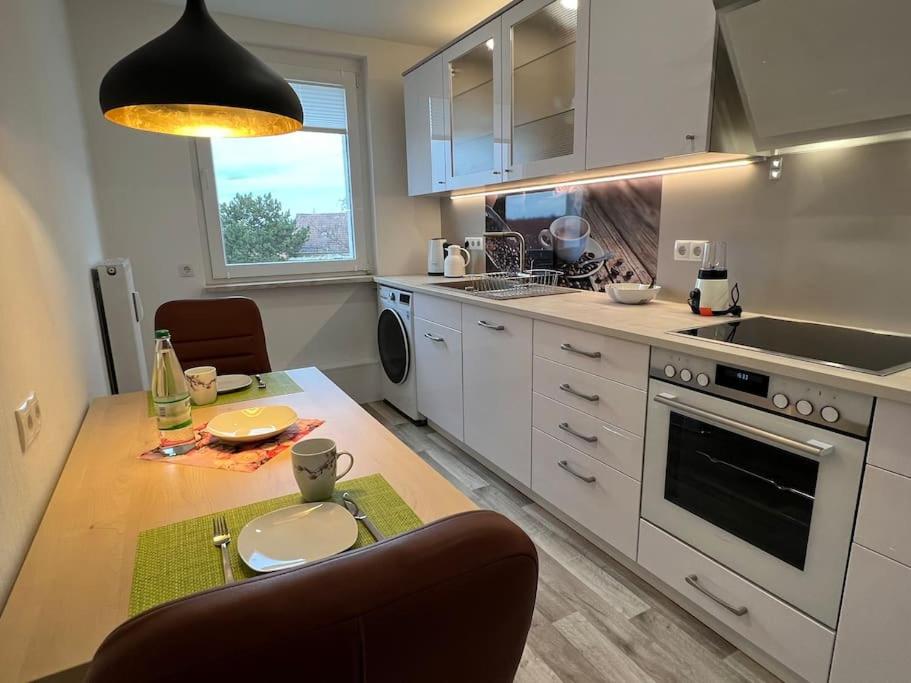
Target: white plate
x=228 y=383
x=296 y=535
x=252 y=424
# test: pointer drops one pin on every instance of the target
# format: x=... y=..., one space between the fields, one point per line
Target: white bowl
x=252 y=424
x=632 y=293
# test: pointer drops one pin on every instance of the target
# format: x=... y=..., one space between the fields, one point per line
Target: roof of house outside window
x=329 y=233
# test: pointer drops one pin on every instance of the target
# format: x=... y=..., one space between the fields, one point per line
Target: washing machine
x=395 y=339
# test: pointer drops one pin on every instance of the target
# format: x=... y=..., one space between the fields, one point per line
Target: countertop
x=74 y=586
x=653 y=324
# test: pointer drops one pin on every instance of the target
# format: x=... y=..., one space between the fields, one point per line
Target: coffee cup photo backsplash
x=593 y=234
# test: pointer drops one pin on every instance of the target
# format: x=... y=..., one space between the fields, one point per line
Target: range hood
x=809 y=71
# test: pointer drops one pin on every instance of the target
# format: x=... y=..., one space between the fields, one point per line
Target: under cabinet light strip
x=612 y=178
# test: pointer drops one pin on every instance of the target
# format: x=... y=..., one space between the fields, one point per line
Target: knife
x=361 y=517
x=259 y=382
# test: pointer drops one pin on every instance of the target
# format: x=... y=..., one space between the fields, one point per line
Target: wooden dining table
x=74 y=585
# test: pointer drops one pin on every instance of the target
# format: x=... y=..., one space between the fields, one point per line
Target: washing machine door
x=395 y=352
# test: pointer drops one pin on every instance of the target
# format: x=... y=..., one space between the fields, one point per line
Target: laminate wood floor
x=594 y=620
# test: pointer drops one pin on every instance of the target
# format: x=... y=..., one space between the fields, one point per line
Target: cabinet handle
x=573 y=349
x=569 y=430
x=594 y=398
x=495 y=172
x=441 y=182
x=565 y=466
x=491 y=326
x=693 y=580
x=433 y=338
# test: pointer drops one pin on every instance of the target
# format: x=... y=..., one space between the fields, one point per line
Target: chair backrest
x=451 y=601
x=227 y=333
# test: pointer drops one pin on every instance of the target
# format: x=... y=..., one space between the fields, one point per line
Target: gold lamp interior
x=202 y=120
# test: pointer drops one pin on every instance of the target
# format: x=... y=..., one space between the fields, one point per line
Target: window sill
x=233 y=286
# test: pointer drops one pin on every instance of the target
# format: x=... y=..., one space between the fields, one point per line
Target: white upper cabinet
x=473 y=84
x=545 y=70
x=426 y=128
x=650 y=79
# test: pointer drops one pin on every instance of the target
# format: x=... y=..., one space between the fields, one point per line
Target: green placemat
x=179 y=559
x=277 y=384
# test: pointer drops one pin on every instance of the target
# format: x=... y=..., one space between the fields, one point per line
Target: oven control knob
x=702 y=379
x=686 y=375
x=830 y=414
x=669 y=370
x=804 y=407
x=781 y=401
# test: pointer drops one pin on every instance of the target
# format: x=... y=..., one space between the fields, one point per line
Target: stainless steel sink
x=509 y=286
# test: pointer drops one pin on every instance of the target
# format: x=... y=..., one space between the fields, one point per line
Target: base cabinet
x=872 y=642
x=438 y=353
x=496 y=370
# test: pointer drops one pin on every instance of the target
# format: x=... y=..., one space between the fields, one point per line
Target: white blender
x=713 y=295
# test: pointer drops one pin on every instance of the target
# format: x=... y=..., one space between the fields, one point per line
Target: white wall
x=148 y=202
x=830 y=241
x=50 y=238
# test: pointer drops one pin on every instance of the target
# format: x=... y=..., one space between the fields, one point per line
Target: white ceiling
x=422 y=22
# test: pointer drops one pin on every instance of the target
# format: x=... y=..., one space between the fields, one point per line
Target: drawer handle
x=587 y=479
x=573 y=349
x=566 y=428
x=693 y=580
x=491 y=326
x=594 y=398
x=433 y=338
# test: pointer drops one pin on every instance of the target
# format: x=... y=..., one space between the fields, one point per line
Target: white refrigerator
x=120 y=313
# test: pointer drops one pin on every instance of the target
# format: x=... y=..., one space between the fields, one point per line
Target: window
x=290 y=205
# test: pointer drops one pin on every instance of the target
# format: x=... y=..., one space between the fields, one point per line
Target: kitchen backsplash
x=593 y=234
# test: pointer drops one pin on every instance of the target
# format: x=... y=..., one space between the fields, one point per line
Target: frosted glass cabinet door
x=473 y=85
x=545 y=72
x=426 y=128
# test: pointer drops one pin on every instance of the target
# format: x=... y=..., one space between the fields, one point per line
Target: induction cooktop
x=876 y=353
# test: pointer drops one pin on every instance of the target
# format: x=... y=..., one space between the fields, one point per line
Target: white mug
x=315 y=463
x=202 y=384
x=567 y=236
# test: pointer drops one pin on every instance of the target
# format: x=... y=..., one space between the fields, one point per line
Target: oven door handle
x=807 y=449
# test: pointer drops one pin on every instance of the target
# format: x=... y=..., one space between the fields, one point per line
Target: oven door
x=767 y=496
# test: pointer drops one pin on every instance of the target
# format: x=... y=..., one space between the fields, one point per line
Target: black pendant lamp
x=195 y=80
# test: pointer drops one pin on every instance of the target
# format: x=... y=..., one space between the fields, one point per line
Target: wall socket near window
x=185 y=270
x=28 y=420
x=688 y=250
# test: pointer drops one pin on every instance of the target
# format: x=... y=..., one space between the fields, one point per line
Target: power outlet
x=185 y=270
x=689 y=250
x=475 y=242
x=28 y=420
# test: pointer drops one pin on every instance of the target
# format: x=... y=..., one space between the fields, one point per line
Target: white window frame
x=308 y=69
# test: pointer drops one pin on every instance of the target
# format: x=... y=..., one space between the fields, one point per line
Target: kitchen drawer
x=438 y=354
x=619 y=360
x=444 y=312
x=889 y=442
x=885 y=508
x=872 y=641
x=775 y=627
x=617 y=404
x=612 y=445
x=608 y=506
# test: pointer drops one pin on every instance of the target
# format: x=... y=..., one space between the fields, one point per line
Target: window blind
x=324 y=106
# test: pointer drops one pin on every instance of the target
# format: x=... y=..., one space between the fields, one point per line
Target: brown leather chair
x=449 y=602
x=227 y=333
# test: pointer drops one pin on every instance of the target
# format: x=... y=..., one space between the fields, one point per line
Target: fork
x=221 y=537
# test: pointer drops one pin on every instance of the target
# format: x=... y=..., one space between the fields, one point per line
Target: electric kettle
x=436 y=255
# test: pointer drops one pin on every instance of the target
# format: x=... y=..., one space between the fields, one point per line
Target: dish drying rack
x=503 y=285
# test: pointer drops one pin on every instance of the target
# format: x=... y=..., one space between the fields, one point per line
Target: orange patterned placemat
x=238 y=457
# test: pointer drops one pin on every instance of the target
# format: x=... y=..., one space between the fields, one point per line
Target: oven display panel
x=742 y=380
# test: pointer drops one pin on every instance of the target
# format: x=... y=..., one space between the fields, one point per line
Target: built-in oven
x=759 y=472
